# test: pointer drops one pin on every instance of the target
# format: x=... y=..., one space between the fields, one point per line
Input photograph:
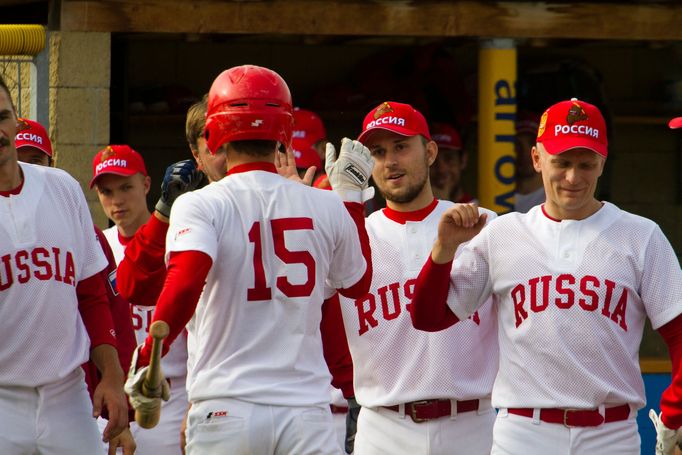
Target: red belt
x=338 y=409
x=424 y=410
x=577 y=417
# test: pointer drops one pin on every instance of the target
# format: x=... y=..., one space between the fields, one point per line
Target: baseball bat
x=151 y=386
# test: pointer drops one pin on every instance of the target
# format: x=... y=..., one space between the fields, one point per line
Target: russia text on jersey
x=39 y=263
x=400 y=297
x=586 y=289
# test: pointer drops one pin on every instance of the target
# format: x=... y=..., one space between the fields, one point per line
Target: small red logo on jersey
x=182 y=232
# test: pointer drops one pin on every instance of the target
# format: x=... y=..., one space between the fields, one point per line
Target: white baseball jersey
x=256 y=330
x=173 y=364
x=572 y=299
x=395 y=363
x=47 y=245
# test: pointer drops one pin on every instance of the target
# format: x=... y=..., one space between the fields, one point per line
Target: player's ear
x=147 y=184
x=431 y=152
x=535 y=156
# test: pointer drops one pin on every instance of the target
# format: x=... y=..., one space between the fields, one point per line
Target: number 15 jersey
x=274 y=244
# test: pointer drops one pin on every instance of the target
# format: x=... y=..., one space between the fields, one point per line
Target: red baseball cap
x=446 y=136
x=32 y=134
x=573 y=124
x=396 y=117
x=308 y=126
x=675 y=123
x=119 y=160
x=305 y=154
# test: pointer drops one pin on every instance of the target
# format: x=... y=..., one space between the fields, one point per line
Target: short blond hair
x=196 y=122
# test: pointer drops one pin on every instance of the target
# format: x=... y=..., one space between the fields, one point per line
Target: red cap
x=675 y=123
x=308 y=126
x=397 y=117
x=32 y=134
x=305 y=154
x=446 y=136
x=573 y=124
x=119 y=160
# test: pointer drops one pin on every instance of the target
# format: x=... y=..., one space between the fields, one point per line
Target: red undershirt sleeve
x=187 y=272
x=359 y=289
x=93 y=306
x=671 y=399
x=429 y=309
x=335 y=346
x=142 y=271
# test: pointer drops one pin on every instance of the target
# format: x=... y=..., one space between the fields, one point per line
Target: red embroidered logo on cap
x=575 y=114
x=384 y=109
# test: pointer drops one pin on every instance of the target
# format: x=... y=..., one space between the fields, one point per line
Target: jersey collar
x=256 y=166
x=404 y=217
x=13 y=192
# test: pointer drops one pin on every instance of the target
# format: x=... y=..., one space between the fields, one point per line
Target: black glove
x=351 y=423
x=179 y=178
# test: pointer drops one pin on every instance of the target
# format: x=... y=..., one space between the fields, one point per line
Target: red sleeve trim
x=361 y=288
x=429 y=308
x=335 y=346
x=671 y=399
x=93 y=306
x=187 y=272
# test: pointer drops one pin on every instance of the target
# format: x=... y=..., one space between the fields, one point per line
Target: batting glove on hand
x=133 y=388
x=349 y=174
x=351 y=424
x=666 y=438
x=179 y=178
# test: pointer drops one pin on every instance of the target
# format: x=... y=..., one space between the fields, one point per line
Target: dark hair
x=254 y=147
x=196 y=121
x=9 y=95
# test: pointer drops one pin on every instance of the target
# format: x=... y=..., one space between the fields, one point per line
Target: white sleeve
x=661 y=285
x=470 y=284
x=191 y=227
x=347 y=264
x=94 y=260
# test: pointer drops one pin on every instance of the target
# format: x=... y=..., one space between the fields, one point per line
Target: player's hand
x=349 y=174
x=458 y=224
x=179 y=178
x=351 y=424
x=109 y=392
x=667 y=439
x=285 y=163
x=133 y=387
x=125 y=441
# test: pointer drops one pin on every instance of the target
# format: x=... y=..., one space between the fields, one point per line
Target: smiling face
x=570 y=181
x=124 y=200
x=401 y=168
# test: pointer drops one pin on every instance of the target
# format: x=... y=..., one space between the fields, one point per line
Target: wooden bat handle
x=151 y=386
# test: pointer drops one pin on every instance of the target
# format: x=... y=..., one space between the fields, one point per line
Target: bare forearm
x=105 y=358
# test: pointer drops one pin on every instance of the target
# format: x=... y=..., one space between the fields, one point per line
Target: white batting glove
x=666 y=438
x=133 y=387
x=349 y=174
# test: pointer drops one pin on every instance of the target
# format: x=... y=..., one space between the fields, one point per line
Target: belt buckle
x=413 y=410
x=566 y=411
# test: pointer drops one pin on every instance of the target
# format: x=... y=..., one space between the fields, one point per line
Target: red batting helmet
x=248 y=102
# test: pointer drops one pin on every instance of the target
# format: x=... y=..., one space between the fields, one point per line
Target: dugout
x=123 y=71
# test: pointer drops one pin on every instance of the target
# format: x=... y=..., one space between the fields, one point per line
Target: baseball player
x=121 y=180
x=310 y=133
x=420 y=392
x=451 y=161
x=264 y=246
x=54 y=313
x=573 y=281
x=529 y=188
x=34 y=146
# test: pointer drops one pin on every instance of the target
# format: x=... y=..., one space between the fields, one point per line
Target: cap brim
x=675 y=123
x=394 y=129
x=115 y=172
x=570 y=143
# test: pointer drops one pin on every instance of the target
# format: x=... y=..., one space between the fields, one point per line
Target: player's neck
x=581 y=213
x=129 y=229
x=423 y=199
x=236 y=159
x=10 y=176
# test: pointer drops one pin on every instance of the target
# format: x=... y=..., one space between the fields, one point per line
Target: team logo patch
x=108 y=153
x=257 y=123
x=384 y=109
x=576 y=114
x=543 y=123
x=182 y=232
x=112 y=281
x=355 y=174
x=22 y=125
